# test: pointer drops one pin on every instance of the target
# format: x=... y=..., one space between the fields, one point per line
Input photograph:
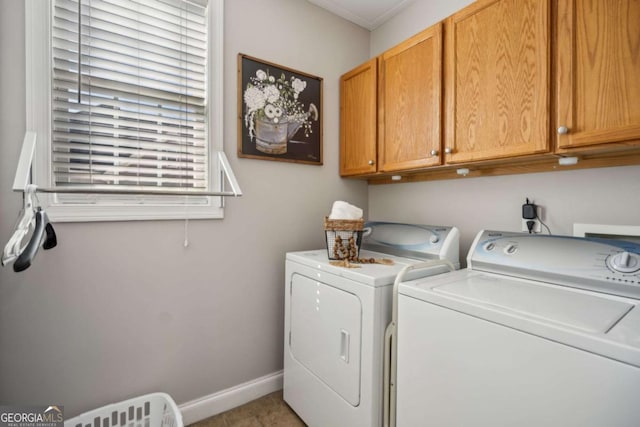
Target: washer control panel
x=603 y=265
x=624 y=262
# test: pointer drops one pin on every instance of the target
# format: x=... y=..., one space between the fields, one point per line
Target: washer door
x=558 y=305
x=326 y=325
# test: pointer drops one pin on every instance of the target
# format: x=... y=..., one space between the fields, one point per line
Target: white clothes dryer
x=537 y=331
x=335 y=320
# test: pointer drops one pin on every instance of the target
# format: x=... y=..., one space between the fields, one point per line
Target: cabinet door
x=598 y=72
x=358 y=120
x=497 y=80
x=410 y=97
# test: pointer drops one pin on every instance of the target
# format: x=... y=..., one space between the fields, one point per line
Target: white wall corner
x=216 y=403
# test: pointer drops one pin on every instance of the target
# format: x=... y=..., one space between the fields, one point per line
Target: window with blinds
x=129 y=94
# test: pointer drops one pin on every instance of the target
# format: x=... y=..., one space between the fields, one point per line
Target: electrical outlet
x=537 y=227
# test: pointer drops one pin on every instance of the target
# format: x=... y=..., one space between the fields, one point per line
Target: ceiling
x=367 y=13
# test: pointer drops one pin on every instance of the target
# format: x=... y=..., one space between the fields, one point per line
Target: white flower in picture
x=272 y=93
x=298 y=86
x=254 y=98
x=276 y=101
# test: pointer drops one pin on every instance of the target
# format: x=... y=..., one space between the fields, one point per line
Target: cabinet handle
x=448 y=150
x=563 y=130
x=371 y=163
x=434 y=153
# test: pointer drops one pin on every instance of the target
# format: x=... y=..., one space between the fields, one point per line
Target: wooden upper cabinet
x=410 y=103
x=358 y=120
x=497 y=62
x=598 y=74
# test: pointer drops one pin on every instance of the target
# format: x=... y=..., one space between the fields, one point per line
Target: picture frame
x=279 y=113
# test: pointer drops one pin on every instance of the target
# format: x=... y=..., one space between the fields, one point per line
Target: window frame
x=129 y=207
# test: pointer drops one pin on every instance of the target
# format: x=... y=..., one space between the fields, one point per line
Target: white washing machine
x=537 y=331
x=335 y=319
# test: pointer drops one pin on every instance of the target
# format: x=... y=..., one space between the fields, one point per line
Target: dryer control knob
x=624 y=262
x=489 y=246
x=510 y=249
x=434 y=239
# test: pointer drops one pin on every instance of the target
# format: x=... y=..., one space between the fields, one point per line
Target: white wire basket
x=151 y=410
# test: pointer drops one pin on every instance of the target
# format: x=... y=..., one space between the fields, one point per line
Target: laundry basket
x=343 y=238
x=151 y=410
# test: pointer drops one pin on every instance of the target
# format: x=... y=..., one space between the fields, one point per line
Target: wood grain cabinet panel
x=410 y=103
x=358 y=120
x=598 y=74
x=477 y=92
x=497 y=80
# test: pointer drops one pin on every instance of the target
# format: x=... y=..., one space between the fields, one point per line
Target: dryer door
x=325 y=334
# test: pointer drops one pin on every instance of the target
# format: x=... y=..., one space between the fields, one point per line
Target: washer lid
x=599 y=323
x=586 y=312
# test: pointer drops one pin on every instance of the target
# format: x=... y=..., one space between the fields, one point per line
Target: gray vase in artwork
x=271 y=138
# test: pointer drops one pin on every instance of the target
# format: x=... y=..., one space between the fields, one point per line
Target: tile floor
x=267 y=411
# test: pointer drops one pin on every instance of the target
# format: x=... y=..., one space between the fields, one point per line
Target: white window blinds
x=129 y=93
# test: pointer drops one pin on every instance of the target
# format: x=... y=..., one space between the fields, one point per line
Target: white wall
x=597 y=196
x=609 y=195
x=121 y=309
x=417 y=16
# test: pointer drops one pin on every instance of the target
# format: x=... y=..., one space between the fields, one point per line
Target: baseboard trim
x=216 y=403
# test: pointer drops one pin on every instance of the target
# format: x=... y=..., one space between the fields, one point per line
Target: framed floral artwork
x=279 y=113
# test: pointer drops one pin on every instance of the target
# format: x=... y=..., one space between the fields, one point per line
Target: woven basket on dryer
x=344 y=237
